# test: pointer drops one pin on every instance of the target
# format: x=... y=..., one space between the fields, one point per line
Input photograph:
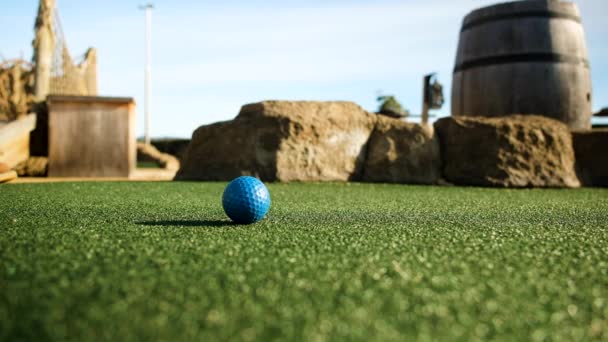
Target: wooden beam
x=7 y=176
x=53 y=99
x=17 y=128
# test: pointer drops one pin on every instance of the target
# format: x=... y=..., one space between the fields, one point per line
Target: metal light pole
x=148 y=70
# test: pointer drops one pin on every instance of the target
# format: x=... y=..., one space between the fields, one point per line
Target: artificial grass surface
x=159 y=261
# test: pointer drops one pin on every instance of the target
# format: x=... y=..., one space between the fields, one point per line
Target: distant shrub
x=389 y=106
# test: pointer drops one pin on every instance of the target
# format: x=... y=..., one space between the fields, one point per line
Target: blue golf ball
x=246 y=200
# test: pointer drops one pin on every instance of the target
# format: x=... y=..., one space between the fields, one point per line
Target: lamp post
x=148 y=70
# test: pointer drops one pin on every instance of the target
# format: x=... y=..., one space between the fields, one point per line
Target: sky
x=211 y=57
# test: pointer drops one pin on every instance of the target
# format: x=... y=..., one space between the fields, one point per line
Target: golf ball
x=246 y=200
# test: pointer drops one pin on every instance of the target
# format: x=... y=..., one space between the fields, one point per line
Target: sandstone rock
x=151 y=154
x=401 y=152
x=513 y=151
x=591 y=157
x=282 y=141
x=33 y=167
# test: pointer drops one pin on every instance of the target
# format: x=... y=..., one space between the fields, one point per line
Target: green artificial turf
x=159 y=261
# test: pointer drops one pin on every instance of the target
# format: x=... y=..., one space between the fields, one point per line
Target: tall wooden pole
x=44 y=46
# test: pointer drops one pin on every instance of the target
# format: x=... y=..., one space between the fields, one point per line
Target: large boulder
x=591 y=156
x=512 y=151
x=402 y=152
x=282 y=141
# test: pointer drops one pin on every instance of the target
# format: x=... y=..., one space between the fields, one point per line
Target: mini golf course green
x=160 y=261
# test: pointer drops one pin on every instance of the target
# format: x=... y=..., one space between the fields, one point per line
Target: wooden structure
x=15 y=139
x=432 y=96
x=524 y=57
x=55 y=71
x=8 y=176
x=91 y=136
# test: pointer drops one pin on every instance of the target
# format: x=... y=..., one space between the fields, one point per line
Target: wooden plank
x=16 y=151
x=7 y=176
x=16 y=129
x=138 y=175
x=55 y=99
x=15 y=140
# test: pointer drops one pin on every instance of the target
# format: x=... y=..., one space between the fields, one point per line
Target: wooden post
x=425 y=97
x=44 y=46
x=90 y=72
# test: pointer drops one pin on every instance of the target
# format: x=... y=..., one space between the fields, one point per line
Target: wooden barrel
x=523 y=57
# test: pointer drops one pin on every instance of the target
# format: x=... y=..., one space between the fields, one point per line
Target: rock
x=33 y=167
x=282 y=141
x=401 y=152
x=591 y=156
x=151 y=154
x=512 y=151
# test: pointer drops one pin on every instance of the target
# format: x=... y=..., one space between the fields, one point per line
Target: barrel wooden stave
x=544 y=84
x=531 y=36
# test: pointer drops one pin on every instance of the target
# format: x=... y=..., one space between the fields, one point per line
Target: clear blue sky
x=209 y=58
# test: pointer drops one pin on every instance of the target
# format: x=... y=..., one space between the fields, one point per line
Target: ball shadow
x=188 y=223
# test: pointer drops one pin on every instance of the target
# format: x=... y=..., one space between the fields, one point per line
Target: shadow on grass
x=188 y=223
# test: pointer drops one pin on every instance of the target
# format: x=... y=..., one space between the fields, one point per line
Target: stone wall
x=339 y=141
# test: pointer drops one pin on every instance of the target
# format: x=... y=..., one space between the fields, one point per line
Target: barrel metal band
x=530 y=14
x=522 y=58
